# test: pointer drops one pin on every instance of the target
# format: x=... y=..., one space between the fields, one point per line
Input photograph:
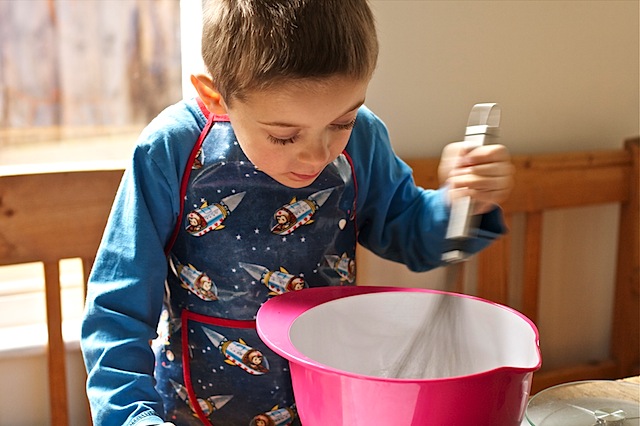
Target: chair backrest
x=553 y=181
x=47 y=217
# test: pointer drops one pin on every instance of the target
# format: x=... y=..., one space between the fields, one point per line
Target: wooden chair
x=554 y=181
x=47 y=217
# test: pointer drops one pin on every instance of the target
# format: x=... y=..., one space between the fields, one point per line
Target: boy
x=251 y=190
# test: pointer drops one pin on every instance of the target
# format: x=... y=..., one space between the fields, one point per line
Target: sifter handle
x=483 y=123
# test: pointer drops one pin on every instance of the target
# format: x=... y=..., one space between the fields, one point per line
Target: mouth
x=304 y=177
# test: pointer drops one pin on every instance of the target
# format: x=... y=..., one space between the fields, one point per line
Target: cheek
x=255 y=151
x=339 y=144
x=268 y=157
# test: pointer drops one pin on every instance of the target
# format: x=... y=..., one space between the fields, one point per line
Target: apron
x=242 y=239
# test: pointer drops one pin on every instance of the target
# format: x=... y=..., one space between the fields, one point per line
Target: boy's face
x=293 y=131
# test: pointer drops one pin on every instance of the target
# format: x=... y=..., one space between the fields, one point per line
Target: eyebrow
x=282 y=124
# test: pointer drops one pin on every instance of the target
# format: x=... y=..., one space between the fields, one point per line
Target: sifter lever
x=483 y=123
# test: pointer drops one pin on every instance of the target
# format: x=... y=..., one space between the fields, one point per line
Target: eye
x=280 y=141
x=346 y=126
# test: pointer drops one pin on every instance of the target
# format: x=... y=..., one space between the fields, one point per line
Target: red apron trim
x=355 y=190
x=222 y=322
x=211 y=119
x=187 y=316
x=186 y=372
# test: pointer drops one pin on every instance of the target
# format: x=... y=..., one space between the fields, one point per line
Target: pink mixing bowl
x=341 y=343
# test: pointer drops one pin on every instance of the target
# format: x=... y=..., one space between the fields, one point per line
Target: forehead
x=324 y=99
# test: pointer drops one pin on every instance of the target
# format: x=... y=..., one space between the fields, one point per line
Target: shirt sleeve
x=126 y=285
x=398 y=220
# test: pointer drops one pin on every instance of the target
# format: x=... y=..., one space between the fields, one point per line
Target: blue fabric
x=395 y=220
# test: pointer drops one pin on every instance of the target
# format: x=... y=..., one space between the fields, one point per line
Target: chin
x=296 y=185
x=293 y=183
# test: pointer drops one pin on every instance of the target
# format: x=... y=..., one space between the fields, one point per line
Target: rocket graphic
x=166 y=327
x=208 y=217
x=198 y=161
x=343 y=265
x=208 y=405
x=239 y=353
x=275 y=417
x=197 y=282
x=297 y=213
x=278 y=282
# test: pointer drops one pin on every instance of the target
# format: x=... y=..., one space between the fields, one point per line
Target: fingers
x=450 y=159
x=485 y=154
x=486 y=170
x=476 y=181
x=484 y=173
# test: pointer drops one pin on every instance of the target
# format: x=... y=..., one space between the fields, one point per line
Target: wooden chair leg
x=625 y=341
x=56 y=350
x=493 y=271
x=531 y=271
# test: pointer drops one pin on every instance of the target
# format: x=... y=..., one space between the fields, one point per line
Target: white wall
x=565 y=72
x=28 y=405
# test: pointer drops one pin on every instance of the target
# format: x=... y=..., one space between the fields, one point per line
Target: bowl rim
x=276 y=316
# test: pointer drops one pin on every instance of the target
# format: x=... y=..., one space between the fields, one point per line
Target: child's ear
x=208 y=93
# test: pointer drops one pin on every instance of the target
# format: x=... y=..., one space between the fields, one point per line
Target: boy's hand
x=485 y=173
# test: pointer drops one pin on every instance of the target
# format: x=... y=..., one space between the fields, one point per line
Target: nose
x=316 y=152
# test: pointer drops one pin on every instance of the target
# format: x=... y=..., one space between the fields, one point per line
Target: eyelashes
x=279 y=141
x=347 y=126
x=337 y=127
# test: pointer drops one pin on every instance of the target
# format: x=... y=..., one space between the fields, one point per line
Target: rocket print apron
x=243 y=238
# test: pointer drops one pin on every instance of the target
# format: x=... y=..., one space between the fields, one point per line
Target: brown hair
x=254 y=44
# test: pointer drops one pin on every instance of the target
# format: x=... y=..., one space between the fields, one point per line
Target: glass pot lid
x=586 y=403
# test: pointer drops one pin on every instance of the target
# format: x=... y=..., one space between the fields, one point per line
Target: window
x=78 y=80
x=87 y=64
